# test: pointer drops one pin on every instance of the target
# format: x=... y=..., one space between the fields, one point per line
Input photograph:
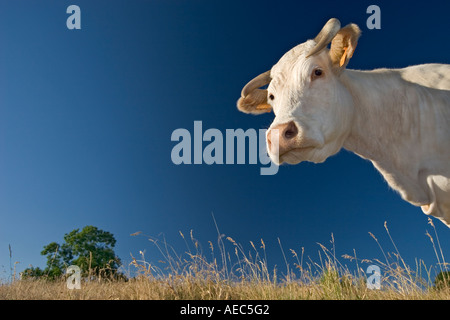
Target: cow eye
x=271 y=96
x=317 y=73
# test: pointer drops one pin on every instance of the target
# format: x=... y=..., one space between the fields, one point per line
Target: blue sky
x=86 y=118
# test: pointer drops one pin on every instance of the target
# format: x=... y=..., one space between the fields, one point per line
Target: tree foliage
x=91 y=249
x=442 y=280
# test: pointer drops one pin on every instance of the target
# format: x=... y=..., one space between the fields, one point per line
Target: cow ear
x=343 y=45
x=254 y=102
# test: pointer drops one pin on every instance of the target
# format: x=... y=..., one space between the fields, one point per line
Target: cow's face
x=313 y=109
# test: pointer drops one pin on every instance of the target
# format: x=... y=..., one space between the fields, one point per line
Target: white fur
x=399 y=119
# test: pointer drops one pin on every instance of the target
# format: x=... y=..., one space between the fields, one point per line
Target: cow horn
x=255 y=83
x=330 y=29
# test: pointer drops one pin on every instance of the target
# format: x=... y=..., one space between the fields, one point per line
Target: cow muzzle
x=286 y=142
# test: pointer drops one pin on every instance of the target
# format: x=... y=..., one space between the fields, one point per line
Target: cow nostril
x=291 y=131
x=269 y=140
x=288 y=134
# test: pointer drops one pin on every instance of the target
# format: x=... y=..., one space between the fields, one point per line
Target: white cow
x=399 y=119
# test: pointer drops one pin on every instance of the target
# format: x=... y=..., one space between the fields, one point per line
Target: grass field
x=238 y=274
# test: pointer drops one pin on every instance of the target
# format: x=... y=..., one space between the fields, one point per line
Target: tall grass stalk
x=230 y=270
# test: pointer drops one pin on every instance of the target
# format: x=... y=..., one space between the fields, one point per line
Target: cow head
x=313 y=108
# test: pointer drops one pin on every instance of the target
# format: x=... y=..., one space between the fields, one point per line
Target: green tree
x=442 y=280
x=91 y=249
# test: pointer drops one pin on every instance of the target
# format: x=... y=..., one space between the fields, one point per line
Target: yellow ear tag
x=264 y=107
x=344 y=56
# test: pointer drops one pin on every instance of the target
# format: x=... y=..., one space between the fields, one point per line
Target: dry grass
x=196 y=289
x=239 y=274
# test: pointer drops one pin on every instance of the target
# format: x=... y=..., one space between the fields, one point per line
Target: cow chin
x=295 y=156
x=310 y=154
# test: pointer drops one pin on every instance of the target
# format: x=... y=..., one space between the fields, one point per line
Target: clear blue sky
x=86 y=118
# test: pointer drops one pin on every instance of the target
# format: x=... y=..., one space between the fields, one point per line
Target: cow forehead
x=290 y=58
